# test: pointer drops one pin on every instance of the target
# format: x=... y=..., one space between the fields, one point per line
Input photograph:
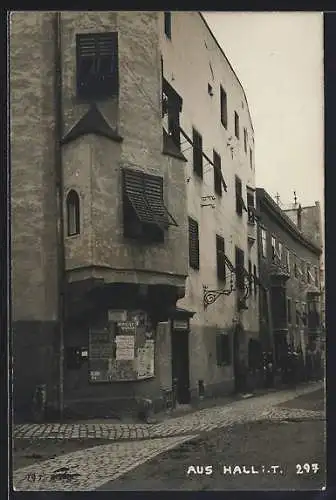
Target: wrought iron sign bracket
x=210 y=296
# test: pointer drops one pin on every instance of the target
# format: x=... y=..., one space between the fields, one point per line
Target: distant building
x=133 y=201
x=308 y=219
x=290 y=293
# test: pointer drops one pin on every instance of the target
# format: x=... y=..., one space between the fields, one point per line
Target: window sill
x=72 y=236
x=170 y=148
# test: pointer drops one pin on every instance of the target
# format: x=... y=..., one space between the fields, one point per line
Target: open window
x=145 y=214
x=73 y=213
x=251 y=211
x=171 y=109
x=240 y=205
x=97 y=65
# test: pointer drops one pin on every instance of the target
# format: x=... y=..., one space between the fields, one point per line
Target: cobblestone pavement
x=86 y=470
x=203 y=420
x=89 y=469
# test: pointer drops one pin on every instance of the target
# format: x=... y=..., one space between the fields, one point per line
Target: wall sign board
x=180 y=324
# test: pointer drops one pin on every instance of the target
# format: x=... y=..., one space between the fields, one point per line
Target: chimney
x=299 y=221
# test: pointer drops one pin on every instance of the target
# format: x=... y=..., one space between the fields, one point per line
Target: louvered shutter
x=134 y=190
x=154 y=196
x=193 y=244
x=97 y=65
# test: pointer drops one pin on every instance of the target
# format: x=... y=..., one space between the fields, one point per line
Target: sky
x=278 y=58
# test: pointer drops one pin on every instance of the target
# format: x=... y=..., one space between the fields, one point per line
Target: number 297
x=307 y=468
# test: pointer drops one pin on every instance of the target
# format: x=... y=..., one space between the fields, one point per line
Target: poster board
x=124 y=351
x=101 y=354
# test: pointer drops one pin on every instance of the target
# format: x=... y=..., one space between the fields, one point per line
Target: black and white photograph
x=167 y=216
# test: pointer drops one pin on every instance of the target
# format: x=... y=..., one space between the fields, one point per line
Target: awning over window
x=145 y=194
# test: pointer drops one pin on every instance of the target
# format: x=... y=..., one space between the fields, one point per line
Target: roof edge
x=227 y=60
x=263 y=195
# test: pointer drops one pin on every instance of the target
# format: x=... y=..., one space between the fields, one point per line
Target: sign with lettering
x=180 y=324
x=126 y=327
x=125 y=347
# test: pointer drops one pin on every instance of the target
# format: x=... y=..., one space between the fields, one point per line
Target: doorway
x=180 y=365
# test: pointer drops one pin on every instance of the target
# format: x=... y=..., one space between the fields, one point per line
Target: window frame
x=172 y=107
x=168 y=24
x=280 y=250
x=239 y=196
x=73 y=209
x=273 y=246
x=236 y=125
x=223 y=107
x=250 y=213
x=245 y=140
x=220 y=258
x=197 y=153
x=217 y=169
x=263 y=236
x=92 y=82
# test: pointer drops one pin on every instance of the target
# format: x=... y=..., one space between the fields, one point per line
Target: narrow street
x=273 y=452
x=278 y=437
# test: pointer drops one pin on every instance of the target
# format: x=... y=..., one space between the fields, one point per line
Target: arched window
x=73 y=218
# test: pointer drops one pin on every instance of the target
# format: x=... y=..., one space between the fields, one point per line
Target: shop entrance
x=180 y=365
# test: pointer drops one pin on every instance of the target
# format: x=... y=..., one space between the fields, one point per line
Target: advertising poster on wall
x=145 y=360
x=125 y=347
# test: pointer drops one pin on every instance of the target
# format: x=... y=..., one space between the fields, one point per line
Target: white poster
x=125 y=347
x=145 y=360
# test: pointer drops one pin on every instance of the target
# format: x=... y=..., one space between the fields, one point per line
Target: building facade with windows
x=217 y=139
x=132 y=168
x=309 y=220
x=290 y=281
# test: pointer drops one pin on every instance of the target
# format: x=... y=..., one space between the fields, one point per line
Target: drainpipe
x=59 y=198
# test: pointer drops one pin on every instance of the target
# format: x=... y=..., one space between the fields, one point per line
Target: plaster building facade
x=221 y=222
x=290 y=292
x=108 y=273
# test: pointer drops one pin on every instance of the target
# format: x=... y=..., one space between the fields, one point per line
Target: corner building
x=108 y=306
